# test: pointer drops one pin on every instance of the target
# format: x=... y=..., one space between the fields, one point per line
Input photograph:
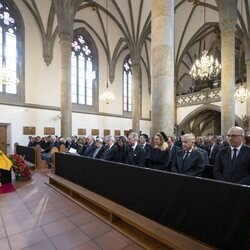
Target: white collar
x=238 y=148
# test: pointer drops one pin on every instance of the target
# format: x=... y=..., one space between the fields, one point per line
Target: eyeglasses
x=233 y=136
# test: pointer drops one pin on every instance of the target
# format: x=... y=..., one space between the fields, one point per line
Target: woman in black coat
x=159 y=153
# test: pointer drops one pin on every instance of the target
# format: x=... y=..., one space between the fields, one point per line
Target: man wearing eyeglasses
x=232 y=163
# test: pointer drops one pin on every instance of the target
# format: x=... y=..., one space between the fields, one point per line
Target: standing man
x=145 y=145
x=172 y=151
x=232 y=163
x=212 y=149
x=136 y=154
x=189 y=161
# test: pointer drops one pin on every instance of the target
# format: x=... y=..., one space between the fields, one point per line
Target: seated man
x=111 y=149
x=136 y=154
x=189 y=161
x=232 y=163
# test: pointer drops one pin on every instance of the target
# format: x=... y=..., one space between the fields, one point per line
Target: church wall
x=17 y=117
x=42 y=92
x=42 y=83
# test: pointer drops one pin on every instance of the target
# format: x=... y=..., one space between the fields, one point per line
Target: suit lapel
x=240 y=156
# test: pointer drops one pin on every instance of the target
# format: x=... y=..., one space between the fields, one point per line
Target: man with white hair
x=232 y=163
x=136 y=154
x=189 y=161
x=111 y=149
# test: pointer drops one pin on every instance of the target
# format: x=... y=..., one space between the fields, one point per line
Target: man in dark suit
x=232 y=163
x=111 y=149
x=172 y=151
x=189 y=161
x=90 y=148
x=145 y=145
x=136 y=155
x=212 y=149
x=99 y=151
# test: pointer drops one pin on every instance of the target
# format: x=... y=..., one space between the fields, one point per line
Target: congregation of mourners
x=227 y=157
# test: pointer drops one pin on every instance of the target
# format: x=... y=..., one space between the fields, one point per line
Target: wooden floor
x=144 y=231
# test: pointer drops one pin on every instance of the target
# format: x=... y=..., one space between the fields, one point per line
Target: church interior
x=110 y=67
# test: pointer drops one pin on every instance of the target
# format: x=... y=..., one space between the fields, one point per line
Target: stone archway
x=204 y=120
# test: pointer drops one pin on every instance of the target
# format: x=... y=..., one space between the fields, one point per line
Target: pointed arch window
x=127 y=85
x=83 y=71
x=8 y=48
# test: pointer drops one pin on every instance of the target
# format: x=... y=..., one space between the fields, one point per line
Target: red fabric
x=6 y=188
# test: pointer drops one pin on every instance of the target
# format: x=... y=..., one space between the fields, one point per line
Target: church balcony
x=206 y=95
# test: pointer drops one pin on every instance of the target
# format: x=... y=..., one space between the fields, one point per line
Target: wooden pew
x=62 y=148
x=40 y=163
x=144 y=231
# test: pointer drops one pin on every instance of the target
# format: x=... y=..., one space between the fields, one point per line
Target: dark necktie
x=233 y=161
x=185 y=157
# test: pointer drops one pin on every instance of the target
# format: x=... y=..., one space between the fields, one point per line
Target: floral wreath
x=20 y=168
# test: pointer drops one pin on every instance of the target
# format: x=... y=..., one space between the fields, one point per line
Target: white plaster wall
x=42 y=83
x=182 y=112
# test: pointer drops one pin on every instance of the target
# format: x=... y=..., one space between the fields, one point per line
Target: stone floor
x=38 y=217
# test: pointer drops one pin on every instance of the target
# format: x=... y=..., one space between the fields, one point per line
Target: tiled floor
x=36 y=217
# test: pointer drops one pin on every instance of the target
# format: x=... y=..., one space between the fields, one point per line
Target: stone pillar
x=65 y=12
x=162 y=51
x=227 y=14
x=136 y=112
x=66 y=103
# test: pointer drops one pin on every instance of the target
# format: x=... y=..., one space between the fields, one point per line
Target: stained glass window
x=127 y=85
x=8 y=51
x=82 y=71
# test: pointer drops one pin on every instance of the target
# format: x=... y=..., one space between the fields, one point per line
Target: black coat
x=90 y=149
x=194 y=165
x=159 y=159
x=110 y=153
x=225 y=172
x=137 y=157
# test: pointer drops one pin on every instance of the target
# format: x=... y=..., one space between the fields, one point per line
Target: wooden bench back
x=40 y=163
x=62 y=148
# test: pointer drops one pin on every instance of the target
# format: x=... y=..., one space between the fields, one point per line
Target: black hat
x=164 y=136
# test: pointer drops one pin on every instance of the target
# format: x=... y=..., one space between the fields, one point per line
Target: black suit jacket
x=193 y=166
x=172 y=154
x=89 y=151
x=225 y=172
x=147 y=148
x=212 y=155
x=137 y=157
x=110 y=153
x=100 y=153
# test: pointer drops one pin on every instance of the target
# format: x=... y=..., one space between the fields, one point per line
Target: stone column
x=136 y=113
x=65 y=12
x=162 y=51
x=66 y=103
x=227 y=14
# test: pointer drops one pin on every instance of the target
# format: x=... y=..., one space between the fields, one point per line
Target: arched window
x=8 y=50
x=127 y=85
x=83 y=71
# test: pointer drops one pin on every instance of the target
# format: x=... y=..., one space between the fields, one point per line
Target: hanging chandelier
x=107 y=96
x=207 y=67
x=241 y=94
x=8 y=76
